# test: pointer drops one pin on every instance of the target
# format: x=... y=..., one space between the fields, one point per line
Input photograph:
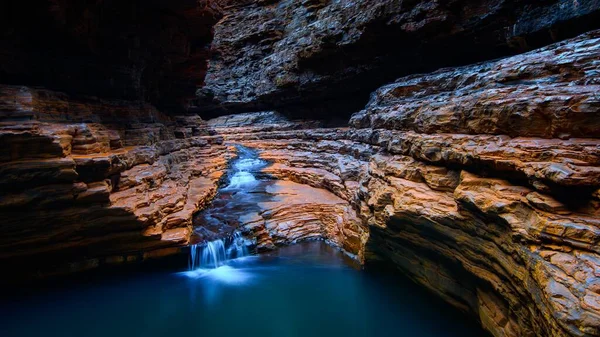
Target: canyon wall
x=102 y=162
x=327 y=56
x=490 y=199
x=86 y=181
x=479 y=181
x=154 y=51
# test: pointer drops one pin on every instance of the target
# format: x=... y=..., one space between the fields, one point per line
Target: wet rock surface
x=274 y=212
x=480 y=182
x=498 y=219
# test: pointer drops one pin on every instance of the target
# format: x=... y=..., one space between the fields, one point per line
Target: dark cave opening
x=153 y=52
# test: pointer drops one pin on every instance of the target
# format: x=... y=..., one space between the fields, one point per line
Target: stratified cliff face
x=86 y=182
x=479 y=182
x=488 y=193
x=316 y=174
x=92 y=171
x=331 y=54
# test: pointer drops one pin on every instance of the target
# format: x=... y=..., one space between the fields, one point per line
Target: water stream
x=308 y=289
x=214 y=258
x=245 y=188
x=216 y=253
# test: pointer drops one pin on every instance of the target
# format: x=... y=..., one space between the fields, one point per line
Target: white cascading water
x=221 y=260
x=238 y=247
x=215 y=253
x=243 y=176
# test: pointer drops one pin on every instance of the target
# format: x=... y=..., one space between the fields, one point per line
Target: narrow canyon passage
x=314 y=167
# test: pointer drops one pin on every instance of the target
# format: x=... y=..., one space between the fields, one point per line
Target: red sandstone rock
x=286 y=53
x=98 y=189
x=480 y=183
x=299 y=212
x=520 y=254
x=547 y=93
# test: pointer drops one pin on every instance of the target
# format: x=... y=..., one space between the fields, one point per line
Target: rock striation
x=481 y=182
x=87 y=182
x=490 y=197
x=478 y=182
x=330 y=54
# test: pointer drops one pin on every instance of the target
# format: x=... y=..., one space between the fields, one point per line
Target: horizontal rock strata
x=481 y=183
x=460 y=184
x=548 y=93
x=297 y=212
x=86 y=182
x=285 y=52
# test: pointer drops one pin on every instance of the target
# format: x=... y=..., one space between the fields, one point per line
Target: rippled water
x=302 y=290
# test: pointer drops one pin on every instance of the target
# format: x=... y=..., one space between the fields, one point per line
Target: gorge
x=456 y=142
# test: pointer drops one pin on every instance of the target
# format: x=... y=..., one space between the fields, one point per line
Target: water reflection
x=304 y=290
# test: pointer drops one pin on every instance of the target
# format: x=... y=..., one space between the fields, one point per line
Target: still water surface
x=304 y=290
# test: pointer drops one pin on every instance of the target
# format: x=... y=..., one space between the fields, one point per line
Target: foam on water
x=211 y=260
x=241 y=179
x=243 y=169
x=223 y=274
x=215 y=253
x=248 y=164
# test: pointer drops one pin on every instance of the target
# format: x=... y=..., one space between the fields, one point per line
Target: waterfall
x=215 y=253
x=239 y=198
x=237 y=248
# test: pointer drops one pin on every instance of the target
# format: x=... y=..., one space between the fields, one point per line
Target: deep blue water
x=302 y=290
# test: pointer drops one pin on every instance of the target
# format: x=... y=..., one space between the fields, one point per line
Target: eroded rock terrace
x=480 y=181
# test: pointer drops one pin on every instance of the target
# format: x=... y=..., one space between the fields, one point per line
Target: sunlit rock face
x=271 y=211
x=459 y=183
x=101 y=162
x=489 y=197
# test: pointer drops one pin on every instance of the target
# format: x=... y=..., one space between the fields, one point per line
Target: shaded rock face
x=457 y=182
x=328 y=55
x=154 y=51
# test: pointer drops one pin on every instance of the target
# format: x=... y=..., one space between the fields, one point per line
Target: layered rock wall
x=330 y=54
x=478 y=182
x=86 y=182
x=490 y=197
